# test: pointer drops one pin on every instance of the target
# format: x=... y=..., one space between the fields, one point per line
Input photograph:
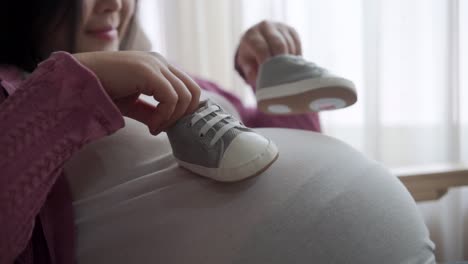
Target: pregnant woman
x=83 y=181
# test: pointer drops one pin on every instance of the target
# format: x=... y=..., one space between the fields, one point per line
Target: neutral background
x=408 y=59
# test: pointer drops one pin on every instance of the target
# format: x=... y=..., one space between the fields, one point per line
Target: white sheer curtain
x=407 y=58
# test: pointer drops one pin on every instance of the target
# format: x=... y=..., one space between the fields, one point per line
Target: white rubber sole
x=247 y=170
x=309 y=95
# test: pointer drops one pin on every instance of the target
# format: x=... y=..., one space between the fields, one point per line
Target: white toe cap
x=243 y=149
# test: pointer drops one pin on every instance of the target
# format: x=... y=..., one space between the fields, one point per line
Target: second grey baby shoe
x=214 y=144
x=288 y=84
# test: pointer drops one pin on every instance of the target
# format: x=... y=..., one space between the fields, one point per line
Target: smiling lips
x=104 y=33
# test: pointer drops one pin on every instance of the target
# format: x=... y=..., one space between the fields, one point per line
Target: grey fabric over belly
x=321 y=202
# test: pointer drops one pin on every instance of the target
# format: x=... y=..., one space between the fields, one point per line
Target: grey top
x=321 y=202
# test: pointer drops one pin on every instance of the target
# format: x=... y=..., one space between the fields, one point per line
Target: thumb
x=250 y=71
x=141 y=111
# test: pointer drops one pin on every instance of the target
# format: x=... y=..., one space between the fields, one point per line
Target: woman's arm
x=58 y=109
x=259 y=43
x=262 y=41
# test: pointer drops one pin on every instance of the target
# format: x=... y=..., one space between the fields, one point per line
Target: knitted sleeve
x=59 y=108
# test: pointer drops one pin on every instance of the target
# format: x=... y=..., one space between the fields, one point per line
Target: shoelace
x=212 y=122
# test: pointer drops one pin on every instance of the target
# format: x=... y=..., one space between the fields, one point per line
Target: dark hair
x=25 y=25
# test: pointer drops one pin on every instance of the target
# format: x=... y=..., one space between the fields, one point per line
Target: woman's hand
x=127 y=74
x=262 y=41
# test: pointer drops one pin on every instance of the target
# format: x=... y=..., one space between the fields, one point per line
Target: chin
x=98 y=46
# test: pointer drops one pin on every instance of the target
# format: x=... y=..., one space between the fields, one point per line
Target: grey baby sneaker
x=213 y=144
x=288 y=84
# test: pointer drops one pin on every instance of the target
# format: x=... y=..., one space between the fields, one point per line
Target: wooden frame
x=433 y=182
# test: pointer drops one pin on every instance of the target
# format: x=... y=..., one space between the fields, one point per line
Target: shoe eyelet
x=201 y=135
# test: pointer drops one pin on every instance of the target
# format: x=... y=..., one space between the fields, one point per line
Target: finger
x=246 y=60
x=289 y=40
x=249 y=67
x=137 y=109
x=159 y=120
x=257 y=45
x=191 y=85
x=184 y=96
x=297 y=40
x=158 y=56
x=162 y=91
x=276 y=42
x=140 y=110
